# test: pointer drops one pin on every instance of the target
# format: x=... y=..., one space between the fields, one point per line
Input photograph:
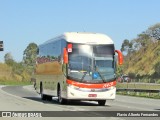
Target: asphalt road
x=24 y=98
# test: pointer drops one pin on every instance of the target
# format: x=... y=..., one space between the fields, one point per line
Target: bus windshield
x=91 y=63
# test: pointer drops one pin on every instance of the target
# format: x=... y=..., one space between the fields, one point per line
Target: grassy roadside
x=141 y=94
x=14 y=82
x=14 y=74
x=139 y=86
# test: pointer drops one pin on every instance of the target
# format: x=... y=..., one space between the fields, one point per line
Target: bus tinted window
x=103 y=50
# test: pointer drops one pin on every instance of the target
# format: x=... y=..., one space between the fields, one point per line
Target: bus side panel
x=49 y=68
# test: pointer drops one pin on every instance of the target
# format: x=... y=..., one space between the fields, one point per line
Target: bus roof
x=83 y=37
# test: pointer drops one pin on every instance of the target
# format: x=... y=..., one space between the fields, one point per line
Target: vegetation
x=144 y=86
x=142 y=63
x=29 y=57
x=142 y=55
x=18 y=73
x=141 y=94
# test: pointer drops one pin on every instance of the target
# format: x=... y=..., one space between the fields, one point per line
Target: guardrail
x=138 y=86
x=140 y=92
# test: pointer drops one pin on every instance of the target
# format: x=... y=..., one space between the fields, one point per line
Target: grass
x=139 y=86
x=143 y=61
x=11 y=76
x=14 y=82
x=141 y=94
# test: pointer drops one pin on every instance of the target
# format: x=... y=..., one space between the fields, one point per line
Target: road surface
x=25 y=98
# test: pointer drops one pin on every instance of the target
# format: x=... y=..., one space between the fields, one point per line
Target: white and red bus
x=77 y=66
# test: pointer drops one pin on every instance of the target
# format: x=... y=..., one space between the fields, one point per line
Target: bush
x=157 y=68
x=132 y=75
x=158 y=81
x=15 y=72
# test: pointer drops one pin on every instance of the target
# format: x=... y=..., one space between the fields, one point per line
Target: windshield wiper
x=85 y=73
x=100 y=75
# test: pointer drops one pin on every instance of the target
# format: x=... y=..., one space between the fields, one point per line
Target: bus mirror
x=65 y=56
x=120 y=57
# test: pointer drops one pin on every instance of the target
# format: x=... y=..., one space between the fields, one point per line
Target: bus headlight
x=73 y=87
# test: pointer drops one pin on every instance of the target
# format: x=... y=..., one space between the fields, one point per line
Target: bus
x=77 y=66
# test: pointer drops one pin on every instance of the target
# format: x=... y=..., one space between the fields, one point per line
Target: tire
x=60 y=99
x=43 y=97
x=101 y=102
x=49 y=98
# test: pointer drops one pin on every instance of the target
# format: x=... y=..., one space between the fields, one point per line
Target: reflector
x=69 y=47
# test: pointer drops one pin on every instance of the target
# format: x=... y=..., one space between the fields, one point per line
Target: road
x=24 y=98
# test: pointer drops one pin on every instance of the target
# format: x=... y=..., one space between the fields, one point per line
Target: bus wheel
x=49 y=98
x=60 y=99
x=43 y=97
x=102 y=102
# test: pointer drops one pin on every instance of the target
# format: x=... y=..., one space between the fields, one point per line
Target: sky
x=26 y=21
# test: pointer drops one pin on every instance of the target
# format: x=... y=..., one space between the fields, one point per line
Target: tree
x=29 y=55
x=8 y=59
x=154 y=31
x=18 y=68
x=126 y=46
x=119 y=70
x=136 y=45
x=144 y=39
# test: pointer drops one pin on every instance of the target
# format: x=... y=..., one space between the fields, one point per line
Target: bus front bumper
x=90 y=94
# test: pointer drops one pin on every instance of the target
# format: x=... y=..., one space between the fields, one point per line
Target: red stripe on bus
x=86 y=85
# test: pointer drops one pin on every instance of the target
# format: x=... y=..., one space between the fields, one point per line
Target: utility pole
x=1 y=45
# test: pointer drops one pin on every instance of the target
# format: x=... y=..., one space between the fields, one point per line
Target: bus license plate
x=92 y=95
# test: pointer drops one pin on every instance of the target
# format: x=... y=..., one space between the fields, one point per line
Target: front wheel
x=49 y=98
x=102 y=102
x=60 y=99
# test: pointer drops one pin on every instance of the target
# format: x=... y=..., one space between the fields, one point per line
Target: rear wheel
x=43 y=97
x=102 y=102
